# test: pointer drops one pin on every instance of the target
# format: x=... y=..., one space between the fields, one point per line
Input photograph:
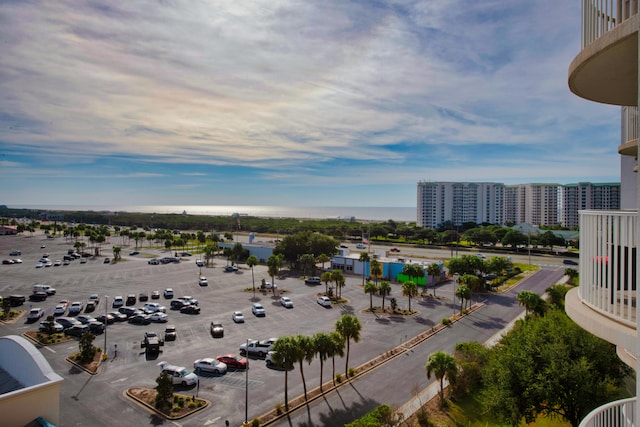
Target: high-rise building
x=459 y=202
x=586 y=195
x=606 y=302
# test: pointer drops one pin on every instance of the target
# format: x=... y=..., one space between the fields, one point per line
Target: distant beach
x=402 y=214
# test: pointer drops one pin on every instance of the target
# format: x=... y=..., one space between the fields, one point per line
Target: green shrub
x=278 y=408
x=446 y=321
x=352 y=372
x=192 y=405
x=255 y=422
x=338 y=378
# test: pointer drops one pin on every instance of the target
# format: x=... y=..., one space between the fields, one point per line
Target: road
x=399 y=380
x=98 y=400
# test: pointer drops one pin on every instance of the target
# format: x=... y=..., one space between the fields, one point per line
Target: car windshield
x=151 y=334
x=184 y=372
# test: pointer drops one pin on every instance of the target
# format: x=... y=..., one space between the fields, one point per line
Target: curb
x=150 y=408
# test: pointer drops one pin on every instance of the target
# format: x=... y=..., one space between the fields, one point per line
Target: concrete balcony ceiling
x=606 y=70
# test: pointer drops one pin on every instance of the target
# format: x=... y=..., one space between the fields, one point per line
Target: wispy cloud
x=304 y=94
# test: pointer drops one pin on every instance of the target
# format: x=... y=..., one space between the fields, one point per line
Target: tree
x=375 y=270
x=364 y=259
x=384 y=289
x=409 y=290
x=274 y=262
x=324 y=348
x=442 y=365
x=305 y=351
x=414 y=271
x=48 y=328
x=86 y=349
x=252 y=261
x=572 y=273
x=284 y=354
x=557 y=294
x=323 y=259
x=370 y=288
x=434 y=271
x=164 y=393
x=209 y=250
x=326 y=277
x=116 y=252
x=349 y=327
x=570 y=372
x=463 y=292
x=532 y=302
x=472 y=282
x=308 y=262
x=340 y=281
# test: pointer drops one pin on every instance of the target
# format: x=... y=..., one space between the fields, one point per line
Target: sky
x=291 y=103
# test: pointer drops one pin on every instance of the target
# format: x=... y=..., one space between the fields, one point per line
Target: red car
x=233 y=361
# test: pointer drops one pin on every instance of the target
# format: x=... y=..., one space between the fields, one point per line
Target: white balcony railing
x=607 y=264
x=601 y=16
x=614 y=414
x=629 y=123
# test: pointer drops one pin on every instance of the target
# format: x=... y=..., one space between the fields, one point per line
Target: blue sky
x=292 y=103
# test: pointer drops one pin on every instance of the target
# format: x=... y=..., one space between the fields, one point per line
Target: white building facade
x=588 y=196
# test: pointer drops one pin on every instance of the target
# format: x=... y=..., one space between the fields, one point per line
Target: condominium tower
x=588 y=196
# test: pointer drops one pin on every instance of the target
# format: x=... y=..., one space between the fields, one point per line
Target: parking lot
x=96 y=400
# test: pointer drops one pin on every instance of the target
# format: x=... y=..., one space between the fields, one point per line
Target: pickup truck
x=152 y=343
x=256 y=348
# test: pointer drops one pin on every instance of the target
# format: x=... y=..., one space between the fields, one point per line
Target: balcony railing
x=629 y=124
x=607 y=264
x=601 y=16
x=620 y=413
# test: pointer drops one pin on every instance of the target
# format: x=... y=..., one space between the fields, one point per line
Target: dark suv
x=16 y=300
x=177 y=304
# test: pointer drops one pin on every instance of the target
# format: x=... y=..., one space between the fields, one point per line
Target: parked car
x=190 y=309
x=191 y=300
x=258 y=310
x=66 y=262
x=199 y=263
x=313 y=280
x=269 y=285
x=143 y=296
x=117 y=316
x=159 y=317
x=67 y=322
x=155 y=307
x=77 y=330
x=217 y=330
x=324 y=301
x=202 y=281
x=237 y=317
x=75 y=308
x=96 y=327
x=57 y=327
x=139 y=319
x=170 y=333
x=569 y=262
x=8 y=261
x=38 y=296
x=185 y=254
x=179 y=374
x=35 y=314
x=168 y=293
x=118 y=302
x=132 y=253
x=106 y=318
x=15 y=253
x=131 y=299
x=129 y=311
x=85 y=319
x=106 y=261
x=286 y=302
x=361 y=246
x=230 y=269
x=209 y=365
x=57 y=263
x=233 y=361
x=155 y=295
x=153 y=261
x=83 y=260
x=16 y=300
x=178 y=304
x=89 y=307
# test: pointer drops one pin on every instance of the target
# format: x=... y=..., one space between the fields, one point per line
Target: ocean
x=401 y=214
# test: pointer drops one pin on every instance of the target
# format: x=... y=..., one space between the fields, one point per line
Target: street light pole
x=106 y=304
x=246 y=386
x=529 y=246
x=455 y=284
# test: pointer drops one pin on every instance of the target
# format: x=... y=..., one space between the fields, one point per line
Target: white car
x=269 y=285
x=168 y=293
x=39 y=265
x=209 y=365
x=159 y=317
x=179 y=374
x=59 y=310
x=57 y=263
x=199 y=263
x=17 y=261
x=44 y=260
x=237 y=317
x=258 y=310
x=324 y=301
x=75 y=308
x=203 y=281
x=286 y=302
x=57 y=327
x=95 y=298
x=154 y=307
x=83 y=260
x=35 y=314
x=361 y=246
x=118 y=302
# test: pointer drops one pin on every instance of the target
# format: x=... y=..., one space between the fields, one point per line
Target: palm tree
x=252 y=261
x=442 y=365
x=323 y=348
x=463 y=292
x=305 y=352
x=349 y=327
x=530 y=300
x=375 y=270
x=336 y=349
x=284 y=354
x=308 y=263
x=409 y=290
x=326 y=277
x=472 y=282
x=370 y=288
x=434 y=271
x=414 y=271
x=116 y=252
x=384 y=289
x=274 y=262
x=364 y=259
x=338 y=278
